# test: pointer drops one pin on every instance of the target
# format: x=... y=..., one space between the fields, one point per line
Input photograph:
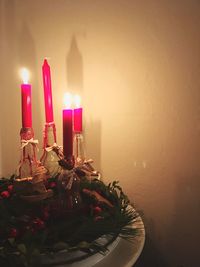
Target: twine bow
x=26 y=142
x=66 y=178
x=71 y=179
x=53 y=147
x=86 y=167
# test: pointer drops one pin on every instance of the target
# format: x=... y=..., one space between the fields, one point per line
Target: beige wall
x=137 y=66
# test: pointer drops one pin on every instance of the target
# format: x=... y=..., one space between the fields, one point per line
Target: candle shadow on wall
x=151 y=255
x=186 y=221
x=74 y=64
x=75 y=83
x=9 y=101
x=28 y=59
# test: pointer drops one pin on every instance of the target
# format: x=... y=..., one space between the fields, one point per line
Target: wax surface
x=26 y=106
x=67 y=133
x=78 y=119
x=47 y=92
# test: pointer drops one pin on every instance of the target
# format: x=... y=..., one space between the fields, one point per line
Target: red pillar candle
x=67 y=128
x=77 y=115
x=26 y=100
x=47 y=92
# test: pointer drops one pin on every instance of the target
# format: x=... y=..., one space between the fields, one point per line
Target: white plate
x=120 y=253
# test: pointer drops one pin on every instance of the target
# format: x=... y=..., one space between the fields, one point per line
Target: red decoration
x=45 y=215
x=5 y=194
x=38 y=224
x=52 y=185
x=97 y=218
x=97 y=210
x=10 y=188
x=13 y=233
x=47 y=92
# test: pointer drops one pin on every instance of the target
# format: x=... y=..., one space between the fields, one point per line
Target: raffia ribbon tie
x=53 y=147
x=88 y=169
x=70 y=182
x=85 y=163
x=30 y=141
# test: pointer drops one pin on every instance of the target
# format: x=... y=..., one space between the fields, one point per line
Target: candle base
x=28 y=162
x=52 y=153
x=69 y=190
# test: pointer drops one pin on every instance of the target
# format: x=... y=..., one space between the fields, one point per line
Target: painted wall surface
x=136 y=65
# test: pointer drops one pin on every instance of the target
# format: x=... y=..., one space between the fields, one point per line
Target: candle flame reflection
x=25 y=75
x=67 y=100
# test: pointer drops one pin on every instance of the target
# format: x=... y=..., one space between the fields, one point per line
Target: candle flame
x=67 y=100
x=25 y=75
x=77 y=101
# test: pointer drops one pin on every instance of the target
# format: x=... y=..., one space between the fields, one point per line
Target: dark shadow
x=186 y=221
x=28 y=59
x=75 y=84
x=74 y=68
x=10 y=93
x=17 y=51
x=151 y=255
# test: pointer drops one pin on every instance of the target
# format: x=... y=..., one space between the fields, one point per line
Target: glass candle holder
x=28 y=161
x=78 y=148
x=52 y=153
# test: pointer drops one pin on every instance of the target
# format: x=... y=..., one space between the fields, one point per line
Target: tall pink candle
x=78 y=115
x=26 y=101
x=67 y=129
x=47 y=92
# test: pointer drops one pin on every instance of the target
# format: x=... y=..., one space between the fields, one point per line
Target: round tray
x=80 y=258
x=120 y=252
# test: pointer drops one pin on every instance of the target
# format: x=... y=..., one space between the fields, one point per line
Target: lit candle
x=77 y=115
x=47 y=91
x=67 y=127
x=26 y=100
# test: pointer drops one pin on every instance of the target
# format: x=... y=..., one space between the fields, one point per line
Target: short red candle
x=47 y=91
x=67 y=131
x=78 y=120
x=26 y=101
x=77 y=115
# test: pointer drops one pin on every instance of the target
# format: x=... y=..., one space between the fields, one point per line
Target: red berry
x=45 y=215
x=5 y=194
x=38 y=223
x=10 y=188
x=97 y=218
x=97 y=210
x=52 y=185
x=13 y=232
